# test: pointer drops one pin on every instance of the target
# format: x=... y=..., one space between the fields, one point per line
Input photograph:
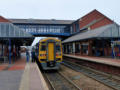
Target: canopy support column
x=73 y=47
x=113 y=53
x=119 y=48
x=9 y=51
x=90 y=48
x=2 y=50
x=66 y=49
x=103 y=43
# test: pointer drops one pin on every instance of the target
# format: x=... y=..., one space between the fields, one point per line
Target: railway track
x=58 y=81
x=108 y=81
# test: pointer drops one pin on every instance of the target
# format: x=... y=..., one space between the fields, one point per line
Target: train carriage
x=49 y=53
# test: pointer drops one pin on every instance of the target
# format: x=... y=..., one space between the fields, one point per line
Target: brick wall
x=94 y=15
x=101 y=23
x=2 y=19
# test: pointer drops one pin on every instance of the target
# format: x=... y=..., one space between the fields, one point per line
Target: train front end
x=50 y=54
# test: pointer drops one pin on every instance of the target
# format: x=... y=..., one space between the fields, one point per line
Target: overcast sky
x=58 y=9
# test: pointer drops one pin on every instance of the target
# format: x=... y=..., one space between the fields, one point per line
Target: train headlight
x=58 y=54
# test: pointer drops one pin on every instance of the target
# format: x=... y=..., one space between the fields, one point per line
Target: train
x=49 y=53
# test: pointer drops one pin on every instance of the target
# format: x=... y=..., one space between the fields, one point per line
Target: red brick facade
x=92 y=16
x=93 y=20
x=102 y=22
x=2 y=19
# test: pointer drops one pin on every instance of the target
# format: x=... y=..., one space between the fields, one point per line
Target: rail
x=58 y=81
x=108 y=81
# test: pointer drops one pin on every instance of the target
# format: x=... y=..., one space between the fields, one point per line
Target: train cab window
x=57 y=48
x=43 y=48
x=43 y=42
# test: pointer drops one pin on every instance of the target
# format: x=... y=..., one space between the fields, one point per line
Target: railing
x=49 y=33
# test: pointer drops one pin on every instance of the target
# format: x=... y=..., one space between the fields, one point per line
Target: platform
x=21 y=76
x=107 y=61
x=107 y=65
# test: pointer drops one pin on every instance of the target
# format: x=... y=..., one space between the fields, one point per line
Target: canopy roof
x=8 y=30
x=41 y=21
x=108 y=31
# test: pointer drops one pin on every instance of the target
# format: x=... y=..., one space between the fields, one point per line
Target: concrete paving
x=107 y=61
x=10 y=80
x=32 y=78
x=21 y=76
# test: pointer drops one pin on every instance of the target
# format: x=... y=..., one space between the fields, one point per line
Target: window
x=57 y=48
x=43 y=48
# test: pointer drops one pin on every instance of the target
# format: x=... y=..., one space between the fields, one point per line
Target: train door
x=51 y=51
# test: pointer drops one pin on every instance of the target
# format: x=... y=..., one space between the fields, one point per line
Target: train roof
x=45 y=39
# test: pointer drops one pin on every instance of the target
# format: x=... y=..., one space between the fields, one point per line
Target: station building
x=92 y=35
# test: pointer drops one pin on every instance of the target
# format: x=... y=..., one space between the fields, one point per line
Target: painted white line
x=44 y=84
x=24 y=85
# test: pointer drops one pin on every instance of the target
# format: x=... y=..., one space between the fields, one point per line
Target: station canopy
x=105 y=32
x=10 y=31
